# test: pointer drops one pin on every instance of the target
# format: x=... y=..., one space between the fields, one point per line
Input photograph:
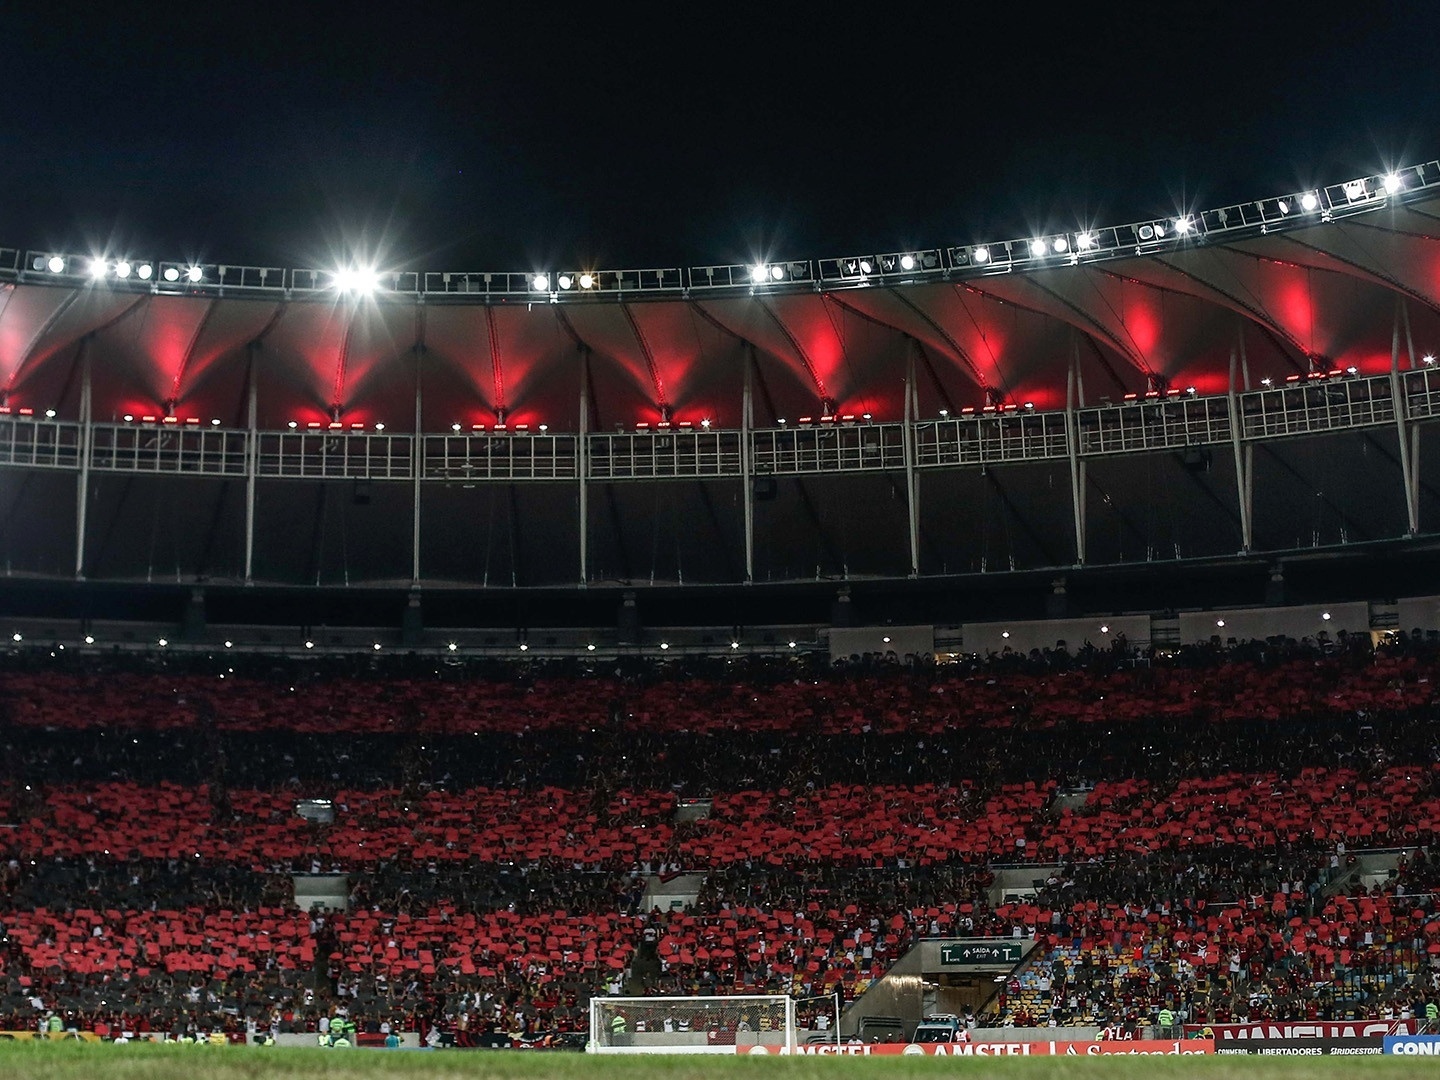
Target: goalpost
x=691 y=1025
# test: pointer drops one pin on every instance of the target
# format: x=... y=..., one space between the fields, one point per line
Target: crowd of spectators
x=498 y=824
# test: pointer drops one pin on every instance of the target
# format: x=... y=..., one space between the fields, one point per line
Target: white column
x=252 y=466
x=1402 y=427
x=1072 y=451
x=582 y=465
x=417 y=467
x=1242 y=460
x=747 y=423
x=907 y=443
x=82 y=481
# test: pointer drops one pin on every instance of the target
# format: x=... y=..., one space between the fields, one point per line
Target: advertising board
x=1413 y=1045
x=1039 y=1048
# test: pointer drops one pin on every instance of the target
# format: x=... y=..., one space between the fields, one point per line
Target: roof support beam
x=1402 y=424
x=82 y=480
x=912 y=491
x=1073 y=399
x=1244 y=455
x=417 y=471
x=252 y=461
x=747 y=466
x=582 y=465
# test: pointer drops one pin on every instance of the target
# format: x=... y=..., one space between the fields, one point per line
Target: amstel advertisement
x=1047 y=1048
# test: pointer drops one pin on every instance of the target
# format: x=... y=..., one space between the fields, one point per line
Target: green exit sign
x=982 y=952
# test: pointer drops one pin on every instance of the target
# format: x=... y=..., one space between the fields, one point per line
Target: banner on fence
x=1302 y=1029
x=996 y=1049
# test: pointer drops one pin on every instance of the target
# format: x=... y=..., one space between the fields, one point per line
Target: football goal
x=690 y=1025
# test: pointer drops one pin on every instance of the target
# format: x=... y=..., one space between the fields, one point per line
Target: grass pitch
x=41 y=1061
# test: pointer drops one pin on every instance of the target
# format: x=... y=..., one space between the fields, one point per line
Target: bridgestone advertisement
x=997 y=1049
x=1300 y=1047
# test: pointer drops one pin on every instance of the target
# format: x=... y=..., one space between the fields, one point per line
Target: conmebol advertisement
x=1413 y=1045
x=1123 y=1047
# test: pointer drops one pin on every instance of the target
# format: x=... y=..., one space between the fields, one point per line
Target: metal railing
x=1151 y=425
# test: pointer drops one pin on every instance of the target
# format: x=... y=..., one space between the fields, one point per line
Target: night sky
x=531 y=136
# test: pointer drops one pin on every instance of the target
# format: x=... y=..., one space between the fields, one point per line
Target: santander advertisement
x=1127 y=1047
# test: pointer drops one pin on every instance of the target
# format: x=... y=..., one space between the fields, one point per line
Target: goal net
x=690 y=1025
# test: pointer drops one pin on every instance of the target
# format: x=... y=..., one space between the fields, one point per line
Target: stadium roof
x=1307 y=281
x=1274 y=290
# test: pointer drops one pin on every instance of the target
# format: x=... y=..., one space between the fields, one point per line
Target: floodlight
x=1061 y=245
x=1393 y=183
x=1428 y=358
x=452 y=646
x=145 y=272
x=49 y=414
x=524 y=647
x=705 y=423
x=98 y=268
x=590 y=647
x=122 y=269
x=172 y=274
x=194 y=273
x=1284 y=205
x=777 y=272
x=1220 y=622
x=734 y=644
x=1265 y=381
x=981 y=254
x=1351 y=370
x=664 y=645
x=377 y=646
x=164 y=642
x=540 y=283
x=1004 y=633
x=293 y=425
x=309 y=644
x=379 y=427
x=214 y=423
x=587 y=281
x=566 y=281
x=356 y=279
x=56 y=264
x=1085 y=241
x=229 y=644
x=1183 y=225
x=1309 y=201
x=757 y=274
x=866 y=266
x=16 y=637
x=454 y=427
x=907 y=262
x=89 y=639
x=129 y=418
x=544 y=428
x=1104 y=629
x=792 y=644
x=1325 y=615
x=1037 y=248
